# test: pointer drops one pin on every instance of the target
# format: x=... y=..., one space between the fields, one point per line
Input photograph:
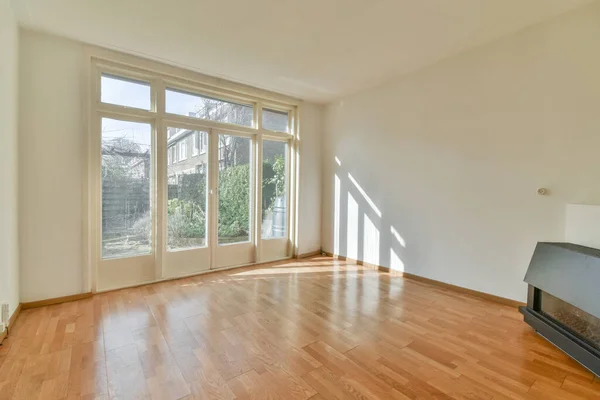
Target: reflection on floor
x=318 y=329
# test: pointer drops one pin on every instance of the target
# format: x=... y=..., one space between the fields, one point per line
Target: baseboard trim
x=460 y=289
x=56 y=300
x=311 y=254
x=80 y=296
x=208 y=271
x=338 y=257
x=433 y=282
x=11 y=322
x=13 y=317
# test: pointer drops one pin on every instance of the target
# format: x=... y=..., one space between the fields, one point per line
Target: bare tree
x=121 y=155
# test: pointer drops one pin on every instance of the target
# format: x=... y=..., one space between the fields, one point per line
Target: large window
x=274 y=189
x=196 y=106
x=186 y=204
x=176 y=173
x=126 y=182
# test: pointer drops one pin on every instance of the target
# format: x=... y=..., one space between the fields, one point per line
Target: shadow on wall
x=360 y=229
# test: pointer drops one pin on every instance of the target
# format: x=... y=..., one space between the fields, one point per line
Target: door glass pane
x=126 y=188
x=124 y=92
x=275 y=120
x=187 y=179
x=197 y=106
x=234 y=189
x=274 y=189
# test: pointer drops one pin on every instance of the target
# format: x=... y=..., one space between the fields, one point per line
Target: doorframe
x=160 y=76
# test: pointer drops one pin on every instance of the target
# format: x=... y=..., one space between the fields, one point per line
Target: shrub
x=187 y=220
x=234 y=201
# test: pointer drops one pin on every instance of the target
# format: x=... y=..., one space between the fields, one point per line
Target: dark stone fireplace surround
x=563 y=302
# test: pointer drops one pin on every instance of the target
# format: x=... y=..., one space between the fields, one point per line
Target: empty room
x=300 y=199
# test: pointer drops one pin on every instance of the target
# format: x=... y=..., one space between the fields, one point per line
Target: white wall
x=9 y=244
x=50 y=166
x=582 y=225
x=309 y=207
x=451 y=157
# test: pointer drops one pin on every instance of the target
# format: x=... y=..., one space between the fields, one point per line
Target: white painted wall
x=50 y=166
x=9 y=243
x=448 y=160
x=582 y=225
x=310 y=185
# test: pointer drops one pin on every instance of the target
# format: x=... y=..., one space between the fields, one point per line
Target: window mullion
x=158 y=96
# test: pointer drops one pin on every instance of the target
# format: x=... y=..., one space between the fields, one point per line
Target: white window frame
x=282 y=110
x=129 y=80
x=161 y=76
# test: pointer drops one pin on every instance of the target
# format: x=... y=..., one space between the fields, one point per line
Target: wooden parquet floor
x=316 y=329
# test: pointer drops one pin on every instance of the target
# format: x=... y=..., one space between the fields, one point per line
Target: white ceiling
x=316 y=50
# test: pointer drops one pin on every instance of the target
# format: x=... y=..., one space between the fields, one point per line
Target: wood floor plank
x=319 y=329
x=125 y=374
x=327 y=384
x=544 y=391
x=87 y=374
x=581 y=386
x=252 y=386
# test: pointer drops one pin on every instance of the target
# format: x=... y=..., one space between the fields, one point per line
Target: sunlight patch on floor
x=298 y=270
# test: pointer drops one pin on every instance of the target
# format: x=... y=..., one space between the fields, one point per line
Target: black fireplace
x=563 y=303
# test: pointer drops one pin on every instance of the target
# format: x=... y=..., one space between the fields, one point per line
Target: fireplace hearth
x=563 y=303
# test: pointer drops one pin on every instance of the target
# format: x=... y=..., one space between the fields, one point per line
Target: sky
x=137 y=94
x=133 y=94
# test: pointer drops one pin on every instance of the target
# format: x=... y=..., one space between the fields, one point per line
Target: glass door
x=188 y=219
x=235 y=216
x=127 y=206
x=275 y=200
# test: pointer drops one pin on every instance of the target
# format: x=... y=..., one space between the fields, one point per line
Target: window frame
x=280 y=110
x=129 y=79
x=213 y=95
x=152 y=184
x=160 y=76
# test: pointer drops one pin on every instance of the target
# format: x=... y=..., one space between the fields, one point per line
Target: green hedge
x=187 y=218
